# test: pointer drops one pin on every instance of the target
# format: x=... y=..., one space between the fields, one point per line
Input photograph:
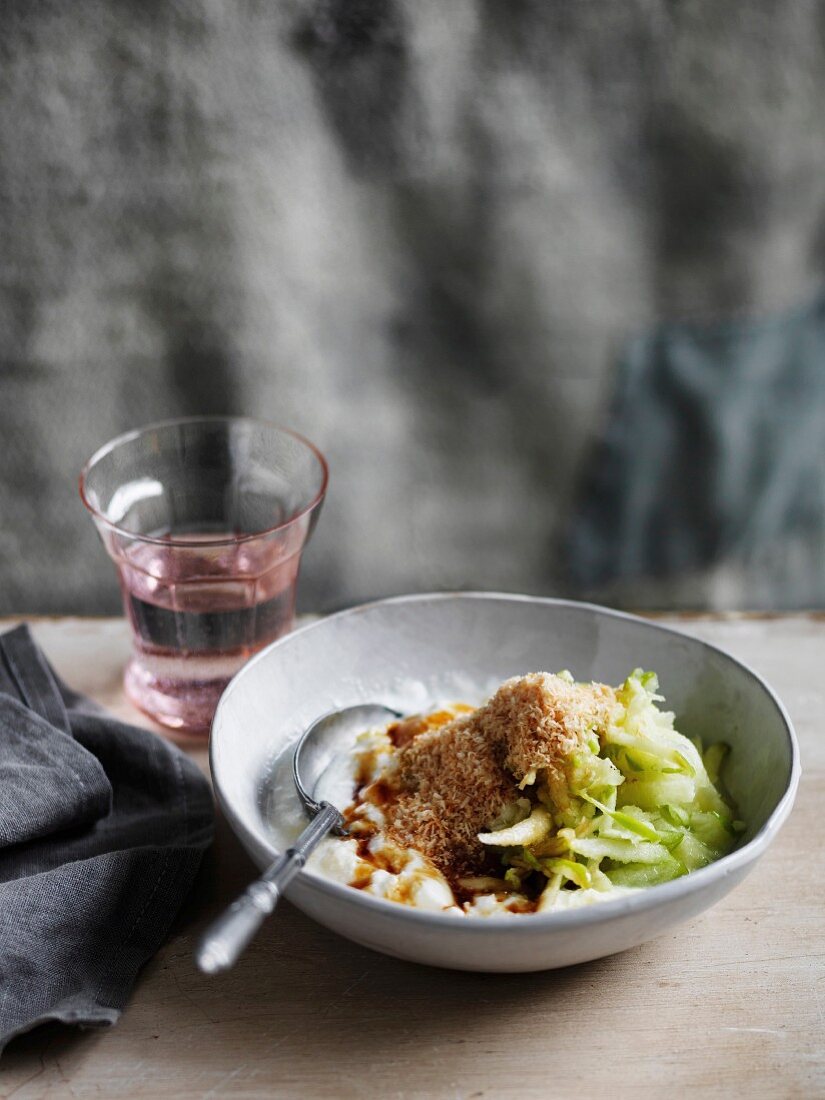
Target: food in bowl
x=551 y=795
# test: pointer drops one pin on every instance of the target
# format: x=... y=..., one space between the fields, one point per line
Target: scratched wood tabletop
x=730 y=1004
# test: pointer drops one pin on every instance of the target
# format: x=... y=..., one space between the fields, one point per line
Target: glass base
x=181 y=694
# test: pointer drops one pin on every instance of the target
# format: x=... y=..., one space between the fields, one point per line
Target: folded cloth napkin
x=102 y=829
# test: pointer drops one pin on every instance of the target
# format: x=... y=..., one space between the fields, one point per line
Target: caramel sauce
x=403 y=731
x=363 y=877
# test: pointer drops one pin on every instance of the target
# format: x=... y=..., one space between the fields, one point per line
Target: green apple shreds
x=643 y=805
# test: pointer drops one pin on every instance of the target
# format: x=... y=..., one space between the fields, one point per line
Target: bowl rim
x=649 y=897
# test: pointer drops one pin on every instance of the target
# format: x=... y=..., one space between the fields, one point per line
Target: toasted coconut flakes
x=452 y=782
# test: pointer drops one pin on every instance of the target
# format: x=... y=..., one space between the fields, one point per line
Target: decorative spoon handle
x=227 y=937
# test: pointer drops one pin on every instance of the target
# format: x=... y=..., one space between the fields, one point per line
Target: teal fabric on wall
x=714 y=450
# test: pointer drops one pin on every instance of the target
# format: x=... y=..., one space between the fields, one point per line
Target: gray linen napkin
x=102 y=829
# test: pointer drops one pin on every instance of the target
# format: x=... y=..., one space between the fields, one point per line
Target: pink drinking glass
x=205 y=519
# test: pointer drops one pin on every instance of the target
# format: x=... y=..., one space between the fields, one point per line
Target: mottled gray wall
x=420 y=232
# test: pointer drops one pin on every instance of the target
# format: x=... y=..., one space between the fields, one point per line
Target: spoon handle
x=227 y=937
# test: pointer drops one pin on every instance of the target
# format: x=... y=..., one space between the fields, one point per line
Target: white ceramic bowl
x=408 y=651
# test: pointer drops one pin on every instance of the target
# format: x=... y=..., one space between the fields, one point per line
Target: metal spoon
x=227 y=937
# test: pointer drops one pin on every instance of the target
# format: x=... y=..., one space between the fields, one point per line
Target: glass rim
x=246 y=536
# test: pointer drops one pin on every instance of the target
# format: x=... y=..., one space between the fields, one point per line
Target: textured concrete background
x=419 y=232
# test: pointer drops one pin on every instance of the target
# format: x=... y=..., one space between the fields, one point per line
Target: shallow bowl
x=416 y=650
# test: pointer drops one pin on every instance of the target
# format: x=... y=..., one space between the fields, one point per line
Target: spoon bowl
x=329 y=736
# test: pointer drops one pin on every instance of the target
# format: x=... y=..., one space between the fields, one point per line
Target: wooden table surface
x=728 y=1005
